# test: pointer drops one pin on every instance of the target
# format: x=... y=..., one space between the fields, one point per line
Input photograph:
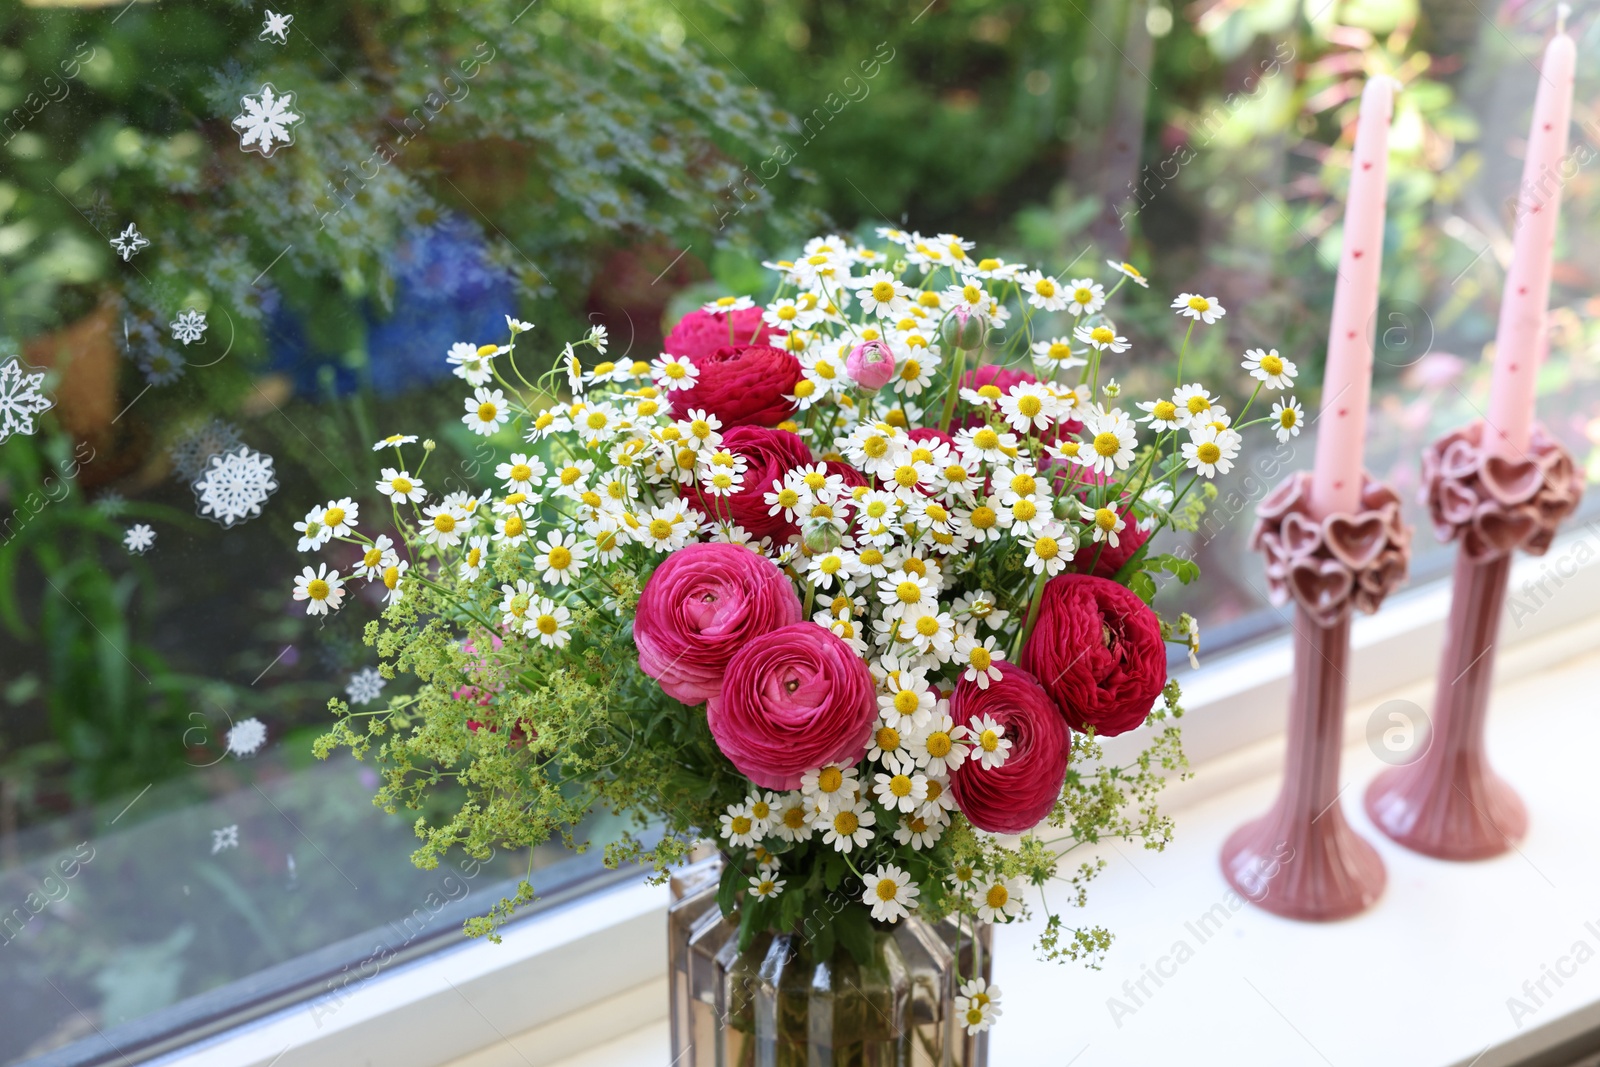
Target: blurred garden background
x=611 y=162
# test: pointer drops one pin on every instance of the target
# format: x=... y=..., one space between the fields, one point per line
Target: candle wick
x=1562 y=11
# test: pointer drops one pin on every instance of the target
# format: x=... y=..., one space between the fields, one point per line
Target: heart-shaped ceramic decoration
x=1453 y=502
x=1320 y=585
x=1271 y=546
x=1459 y=459
x=1355 y=542
x=1283 y=497
x=1301 y=536
x=1504 y=529
x=1511 y=481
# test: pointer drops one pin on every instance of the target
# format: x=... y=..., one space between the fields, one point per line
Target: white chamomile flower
x=1288 y=416
x=829 y=787
x=512 y=528
x=1056 y=352
x=472 y=363
x=990 y=745
x=767 y=884
x=900 y=791
x=472 y=563
x=1269 y=368
x=378 y=555
x=979 y=1003
x=738 y=827
x=1101 y=337
x=890 y=894
x=1049 y=551
x=394 y=440
x=487 y=411
x=791 y=820
x=1200 y=308
x=1112 y=439
x=442 y=525
x=890 y=748
x=561 y=558
x=763 y=808
x=1042 y=291
x=919 y=831
x=599 y=338
x=400 y=486
x=672 y=373
x=1028 y=406
x=939 y=747
x=522 y=474
x=849 y=826
x=313 y=534
x=1086 y=296
x=1106 y=523
x=1196 y=405
x=880 y=294
x=726 y=305
x=1000 y=900
x=548 y=621
x=392 y=578
x=517 y=326
x=1161 y=414
x=516 y=604
x=322 y=589
x=980 y=606
x=1210 y=451
x=1129 y=271
x=982 y=659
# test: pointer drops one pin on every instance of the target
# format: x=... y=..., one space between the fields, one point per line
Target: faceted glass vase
x=777 y=1005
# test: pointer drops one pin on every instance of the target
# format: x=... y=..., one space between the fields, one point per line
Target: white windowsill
x=1421 y=980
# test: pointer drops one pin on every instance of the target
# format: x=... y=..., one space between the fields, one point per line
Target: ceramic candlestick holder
x=1302 y=860
x=1448 y=802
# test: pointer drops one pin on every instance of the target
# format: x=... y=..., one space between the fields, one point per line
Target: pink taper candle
x=1347 y=381
x=1518 y=343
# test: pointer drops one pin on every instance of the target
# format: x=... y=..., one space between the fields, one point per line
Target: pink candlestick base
x=1302 y=860
x=1449 y=803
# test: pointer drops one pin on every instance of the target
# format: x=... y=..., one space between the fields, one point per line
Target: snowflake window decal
x=365 y=686
x=246 y=737
x=139 y=538
x=234 y=486
x=21 y=398
x=189 y=327
x=129 y=242
x=277 y=27
x=267 y=121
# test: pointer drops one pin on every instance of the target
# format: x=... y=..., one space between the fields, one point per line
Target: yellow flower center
x=597 y=420
x=1272 y=364
x=989 y=392
x=1103 y=335
x=1208 y=453
x=980 y=658
x=570 y=475
x=845 y=823
x=1059 y=351
x=547 y=624
x=317 y=589
x=1107 y=443
x=391 y=576
x=906 y=476
x=1164 y=410
x=1046 y=548
x=1023 y=484
x=487 y=412
x=1287 y=419
x=875 y=447
x=908 y=593
x=915 y=566
x=1024 y=510
x=333 y=516
x=370 y=557
x=871 y=557
x=900 y=785
x=888 y=738
x=794 y=817
x=906 y=702
x=788 y=312
x=521 y=472
x=887 y=889
x=983 y=517
x=660 y=529
x=1198 y=405
x=830 y=779
x=928 y=300
x=935 y=788
x=927 y=626
x=1105 y=518
x=514 y=525
x=402 y=486
x=938 y=744
x=986 y=439
x=740 y=824
x=1199 y=303
x=997 y=896
x=444 y=522
x=676 y=371
x=883 y=291
x=473 y=556
x=988 y=264
x=761 y=809
x=1029 y=405
x=560 y=557
x=1045 y=287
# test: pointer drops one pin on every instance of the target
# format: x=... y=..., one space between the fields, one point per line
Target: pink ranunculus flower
x=703 y=604
x=795 y=699
x=701 y=333
x=1015 y=796
x=870 y=364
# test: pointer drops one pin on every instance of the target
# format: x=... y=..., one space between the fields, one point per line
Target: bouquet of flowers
x=851 y=582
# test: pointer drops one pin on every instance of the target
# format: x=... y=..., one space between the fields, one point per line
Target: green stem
x=956 y=371
x=1033 y=617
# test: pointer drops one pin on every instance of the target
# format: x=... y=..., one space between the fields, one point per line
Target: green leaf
x=727 y=888
x=1143 y=586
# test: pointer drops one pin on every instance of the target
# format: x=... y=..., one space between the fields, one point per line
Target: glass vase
x=776 y=1004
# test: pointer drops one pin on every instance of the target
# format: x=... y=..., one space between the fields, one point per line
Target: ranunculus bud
x=702 y=604
x=821 y=536
x=963 y=328
x=870 y=365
